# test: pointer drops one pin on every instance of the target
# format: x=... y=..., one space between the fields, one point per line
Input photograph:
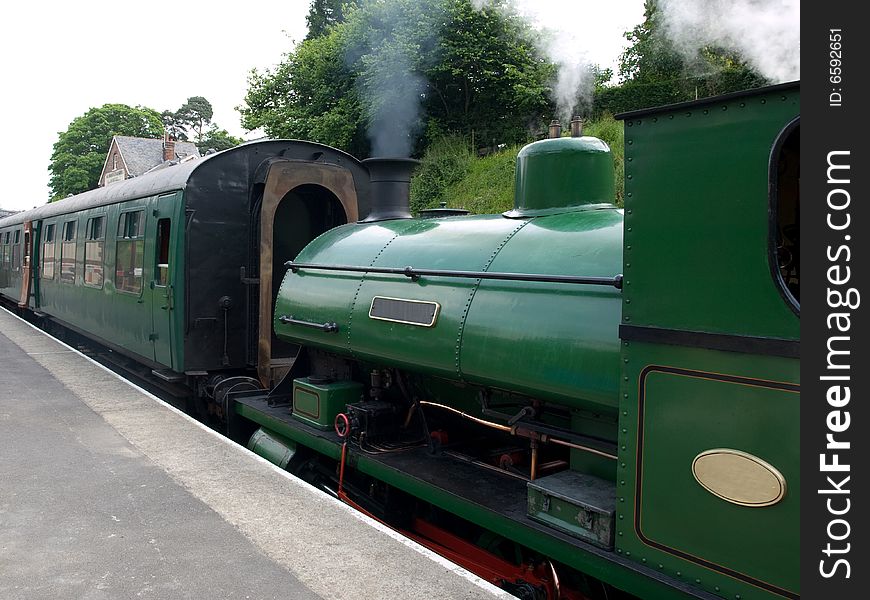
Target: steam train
x=570 y=399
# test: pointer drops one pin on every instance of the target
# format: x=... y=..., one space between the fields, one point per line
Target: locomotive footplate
x=457 y=486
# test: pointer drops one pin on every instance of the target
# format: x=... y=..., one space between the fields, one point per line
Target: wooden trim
x=282 y=178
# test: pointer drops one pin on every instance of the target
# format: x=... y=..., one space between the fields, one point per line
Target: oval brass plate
x=739 y=477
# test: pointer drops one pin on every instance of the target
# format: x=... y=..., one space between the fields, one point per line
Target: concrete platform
x=106 y=493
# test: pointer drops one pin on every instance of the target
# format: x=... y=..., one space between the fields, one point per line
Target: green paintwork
x=578 y=504
x=696 y=259
x=683 y=416
x=567 y=333
x=135 y=322
x=555 y=174
x=696 y=220
x=272 y=447
x=635 y=580
x=318 y=403
x=163 y=314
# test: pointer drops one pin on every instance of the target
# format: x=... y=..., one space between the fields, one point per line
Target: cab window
x=785 y=214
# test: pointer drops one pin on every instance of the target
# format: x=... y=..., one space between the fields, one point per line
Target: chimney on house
x=168 y=147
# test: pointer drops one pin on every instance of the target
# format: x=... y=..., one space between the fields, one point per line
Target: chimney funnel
x=168 y=147
x=576 y=127
x=390 y=188
x=555 y=129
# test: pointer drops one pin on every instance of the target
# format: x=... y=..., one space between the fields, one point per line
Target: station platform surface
x=106 y=492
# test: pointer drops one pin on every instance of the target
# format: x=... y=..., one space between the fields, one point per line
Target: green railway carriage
x=570 y=399
x=163 y=268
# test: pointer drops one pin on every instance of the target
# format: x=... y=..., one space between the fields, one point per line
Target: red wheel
x=342 y=425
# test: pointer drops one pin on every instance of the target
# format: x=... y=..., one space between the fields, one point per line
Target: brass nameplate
x=739 y=477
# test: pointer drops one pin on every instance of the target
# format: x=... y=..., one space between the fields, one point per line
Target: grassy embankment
x=451 y=173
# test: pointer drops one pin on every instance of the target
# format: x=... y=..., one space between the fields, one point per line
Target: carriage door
x=162 y=274
x=25 y=264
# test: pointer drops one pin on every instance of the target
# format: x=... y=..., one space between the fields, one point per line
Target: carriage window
x=68 y=253
x=16 y=250
x=4 y=250
x=785 y=213
x=162 y=266
x=129 y=256
x=95 y=235
x=48 y=252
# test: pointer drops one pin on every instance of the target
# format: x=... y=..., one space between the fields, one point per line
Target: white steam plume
x=393 y=91
x=390 y=87
x=765 y=33
x=560 y=25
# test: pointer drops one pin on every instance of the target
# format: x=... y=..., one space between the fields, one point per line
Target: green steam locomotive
x=571 y=399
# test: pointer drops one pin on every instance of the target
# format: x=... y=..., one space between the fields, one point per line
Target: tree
x=600 y=77
x=195 y=114
x=488 y=79
x=311 y=95
x=652 y=71
x=217 y=139
x=411 y=68
x=174 y=126
x=80 y=151
x=323 y=14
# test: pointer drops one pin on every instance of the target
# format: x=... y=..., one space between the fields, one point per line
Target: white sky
x=55 y=64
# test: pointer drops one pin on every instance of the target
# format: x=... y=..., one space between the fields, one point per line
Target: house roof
x=142 y=154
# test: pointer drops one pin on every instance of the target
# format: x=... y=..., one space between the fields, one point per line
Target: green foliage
x=195 y=115
x=634 y=96
x=173 y=125
x=651 y=56
x=653 y=72
x=637 y=95
x=451 y=173
x=611 y=131
x=311 y=95
x=80 y=152
x=600 y=77
x=217 y=139
x=446 y=162
x=473 y=73
x=323 y=14
x=488 y=188
x=488 y=77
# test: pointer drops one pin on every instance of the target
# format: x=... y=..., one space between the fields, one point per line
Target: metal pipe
x=533 y=471
x=467 y=416
x=583 y=448
x=331 y=327
x=414 y=274
x=555 y=129
x=511 y=430
x=576 y=127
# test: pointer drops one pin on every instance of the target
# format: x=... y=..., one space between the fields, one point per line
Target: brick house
x=131 y=156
